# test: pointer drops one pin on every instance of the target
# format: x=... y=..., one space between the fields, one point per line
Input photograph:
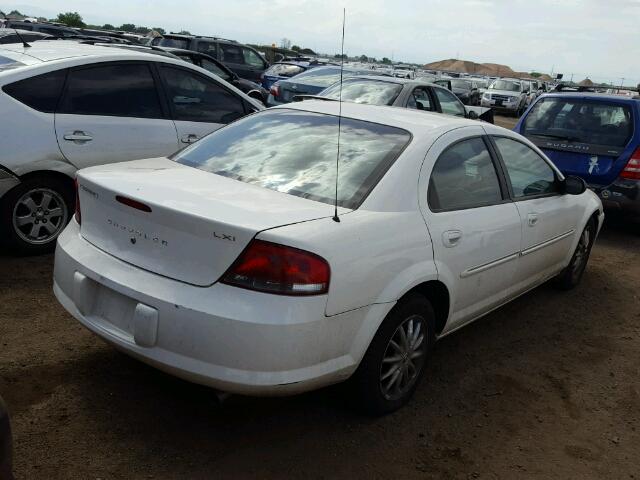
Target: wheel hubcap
x=580 y=259
x=39 y=215
x=403 y=358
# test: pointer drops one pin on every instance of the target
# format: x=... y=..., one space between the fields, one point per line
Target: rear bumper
x=228 y=338
x=622 y=196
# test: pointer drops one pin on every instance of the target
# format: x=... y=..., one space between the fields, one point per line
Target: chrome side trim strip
x=546 y=243
x=487 y=266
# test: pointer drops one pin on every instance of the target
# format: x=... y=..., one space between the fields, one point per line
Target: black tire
x=572 y=275
x=367 y=385
x=14 y=210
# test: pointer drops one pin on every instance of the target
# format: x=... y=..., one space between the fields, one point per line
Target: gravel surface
x=546 y=387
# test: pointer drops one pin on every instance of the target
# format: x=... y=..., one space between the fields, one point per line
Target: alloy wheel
x=403 y=358
x=39 y=215
x=582 y=253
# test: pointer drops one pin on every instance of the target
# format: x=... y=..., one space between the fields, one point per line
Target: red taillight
x=78 y=215
x=275 y=90
x=130 y=202
x=273 y=268
x=632 y=170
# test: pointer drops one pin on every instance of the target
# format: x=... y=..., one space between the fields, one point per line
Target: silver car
x=507 y=95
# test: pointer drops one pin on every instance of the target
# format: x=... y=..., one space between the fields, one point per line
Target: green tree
x=127 y=27
x=72 y=19
x=15 y=13
x=307 y=51
x=337 y=55
x=108 y=26
x=296 y=48
x=184 y=32
x=363 y=58
x=386 y=61
x=535 y=74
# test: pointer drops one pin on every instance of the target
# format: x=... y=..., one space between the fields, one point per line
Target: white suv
x=67 y=106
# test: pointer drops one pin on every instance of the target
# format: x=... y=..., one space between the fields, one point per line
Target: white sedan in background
x=66 y=106
x=224 y=265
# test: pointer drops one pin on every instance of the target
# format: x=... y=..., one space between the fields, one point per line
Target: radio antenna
x=24 y=44
x=335 y=205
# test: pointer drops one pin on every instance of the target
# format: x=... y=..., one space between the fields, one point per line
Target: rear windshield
x=462 y=84
x=506 y=85
x=7 y=63
x=375 y=92
x=284 y=70
x=295 y=153
x=579 y=120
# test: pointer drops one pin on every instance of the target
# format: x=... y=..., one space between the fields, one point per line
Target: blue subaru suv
x=593 y=136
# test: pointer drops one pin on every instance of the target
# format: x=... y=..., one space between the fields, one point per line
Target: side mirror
x=573 y=185
x=472 y=115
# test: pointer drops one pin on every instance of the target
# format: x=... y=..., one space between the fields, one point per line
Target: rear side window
x=577 y=120
x=122 y=90
x=262 y=150
x=231 y=53
x=172 y=42
x=464 y=177
x=40 y=92
x=529 y=174
x=197 y=99
x=210 y=48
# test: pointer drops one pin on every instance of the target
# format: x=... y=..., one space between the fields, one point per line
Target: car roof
x=592 y=96
x=414 y=121
x=61 y=49
x=401 y=81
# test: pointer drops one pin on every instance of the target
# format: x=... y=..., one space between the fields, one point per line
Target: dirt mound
x=490 y=69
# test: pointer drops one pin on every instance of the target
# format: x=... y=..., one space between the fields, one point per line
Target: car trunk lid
x=178 y=221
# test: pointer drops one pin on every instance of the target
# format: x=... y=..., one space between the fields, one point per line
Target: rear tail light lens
x=78 y=215
x=273 y=268
x=275 y=90
x=632 y=170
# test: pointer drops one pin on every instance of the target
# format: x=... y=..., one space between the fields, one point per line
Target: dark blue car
x=310 y=82
x=594 y=136
x=284 y=70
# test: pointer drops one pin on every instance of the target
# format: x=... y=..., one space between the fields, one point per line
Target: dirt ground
x=546 y=387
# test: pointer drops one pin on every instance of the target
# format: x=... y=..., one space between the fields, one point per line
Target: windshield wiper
x=566 y=138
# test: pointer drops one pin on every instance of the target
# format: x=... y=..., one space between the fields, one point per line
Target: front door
x=111 y=112
x=549 y=219
x=199 y=104
x=474 y=227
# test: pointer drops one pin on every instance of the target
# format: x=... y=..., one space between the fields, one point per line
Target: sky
x=598 y=39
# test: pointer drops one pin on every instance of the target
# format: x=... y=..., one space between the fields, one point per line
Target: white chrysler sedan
x=225 y=265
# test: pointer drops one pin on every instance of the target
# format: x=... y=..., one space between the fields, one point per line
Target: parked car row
x=87 y=105
x=186 y=252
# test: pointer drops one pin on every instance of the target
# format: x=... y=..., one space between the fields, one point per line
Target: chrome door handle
x=78 y=136
x=451 y=238
x=532 y=218
x=189 y=138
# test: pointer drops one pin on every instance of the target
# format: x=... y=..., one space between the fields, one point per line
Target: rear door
x=549 y=218
x=474 y=226
x=583 y=136
x=112 y=112
x=199 y=105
